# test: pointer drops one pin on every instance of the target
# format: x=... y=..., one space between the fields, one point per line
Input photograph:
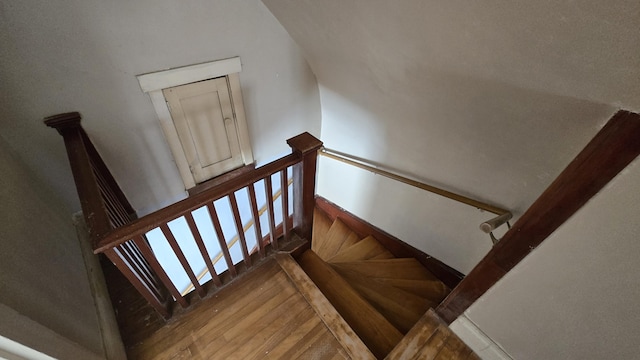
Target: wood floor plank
x=287 y=337
x=367 y=248
x=266 y=313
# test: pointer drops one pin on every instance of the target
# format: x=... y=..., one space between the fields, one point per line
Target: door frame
x=153 y=84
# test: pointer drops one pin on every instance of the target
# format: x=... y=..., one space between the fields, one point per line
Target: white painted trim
x=241 y=120
x=477 y=340
x=171 y=136
x=185 y=75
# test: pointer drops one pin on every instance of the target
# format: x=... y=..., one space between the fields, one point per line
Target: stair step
x=403 y=268
x=406 y=273
x=338 y=234
x=430 y=338
x=373 y=328
x=366 y=249
x=400 y=307
x=351 y=343
x=321 y=225
x=434 y=291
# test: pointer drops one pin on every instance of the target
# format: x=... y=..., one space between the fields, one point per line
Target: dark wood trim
x=610 y=151
x=397 y=247
x=155 y=219
x=93 y=207
x=305 y=146
x=211 y=183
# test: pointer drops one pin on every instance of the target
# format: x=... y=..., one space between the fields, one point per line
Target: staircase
x=380 y=297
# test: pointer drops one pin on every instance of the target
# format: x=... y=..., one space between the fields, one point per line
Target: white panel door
x=203 y=116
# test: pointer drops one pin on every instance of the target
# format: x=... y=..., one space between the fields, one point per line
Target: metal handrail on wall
x=503 y=216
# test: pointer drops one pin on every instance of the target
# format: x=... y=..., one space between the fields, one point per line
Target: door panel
x=203 y=116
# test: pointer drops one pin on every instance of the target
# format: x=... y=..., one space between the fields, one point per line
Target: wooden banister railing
x=127 y=241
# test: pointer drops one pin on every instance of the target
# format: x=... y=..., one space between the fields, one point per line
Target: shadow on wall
x=483 y=139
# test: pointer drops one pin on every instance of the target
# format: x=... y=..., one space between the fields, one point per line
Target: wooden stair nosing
x=321 y=225
x=396 y=268
x=347 y=337
x=334 y=238
x=402 y=308
x=367 y=248
x=435 y=291
x=371 y=326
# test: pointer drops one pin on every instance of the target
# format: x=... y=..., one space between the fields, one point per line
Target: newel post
x=305 y=146
x=93 y=208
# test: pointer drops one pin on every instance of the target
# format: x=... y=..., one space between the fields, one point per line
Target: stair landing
x=261 y=315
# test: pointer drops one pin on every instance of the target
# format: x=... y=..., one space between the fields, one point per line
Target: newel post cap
x=63 y=121
x=304 y=143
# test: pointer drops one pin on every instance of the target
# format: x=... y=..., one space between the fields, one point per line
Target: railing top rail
x=171 y=212
x=363 y=164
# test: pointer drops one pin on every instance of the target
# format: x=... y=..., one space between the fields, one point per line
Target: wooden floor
x=261 y=316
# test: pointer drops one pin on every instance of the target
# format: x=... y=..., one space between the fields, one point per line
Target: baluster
x=203 y=248
x=183 y=260
x=284 y=195
x=135 y=280
x=239 y=228
x=223 y=243
x=272 y=222
x=256 y=218
x=157 y=268
x=144 y=273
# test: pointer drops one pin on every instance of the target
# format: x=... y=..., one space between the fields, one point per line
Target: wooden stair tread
x=350 y=342
x=435 y=291
x=373 y=328
x=365 y=249
x=338 y=234
x=321 y=225
x=404 y=268
x=431 y=338
x=400 y=307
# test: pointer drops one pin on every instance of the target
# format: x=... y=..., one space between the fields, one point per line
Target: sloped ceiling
x=488 y=99
x=72 y=55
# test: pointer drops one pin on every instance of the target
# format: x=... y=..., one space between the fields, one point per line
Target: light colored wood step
x=366 y=249
x=321 y=225
x=434 y=290
x=403 y=268
x=334 y=239
x=375 y=330
x=351 y=343
x=400 y=307
x=432 y=339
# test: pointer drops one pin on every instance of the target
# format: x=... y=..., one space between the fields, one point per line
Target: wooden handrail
x=171 y=212
x=363 y=164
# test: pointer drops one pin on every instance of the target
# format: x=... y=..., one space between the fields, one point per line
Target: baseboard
x=477 y=340
x=448 y=275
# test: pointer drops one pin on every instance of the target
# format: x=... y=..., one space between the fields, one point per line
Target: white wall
x=575 y=296
x=73 y=55
x=45 y=299
x=488 y=101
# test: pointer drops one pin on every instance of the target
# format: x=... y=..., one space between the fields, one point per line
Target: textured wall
x=84 y=56
x=42 y=273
